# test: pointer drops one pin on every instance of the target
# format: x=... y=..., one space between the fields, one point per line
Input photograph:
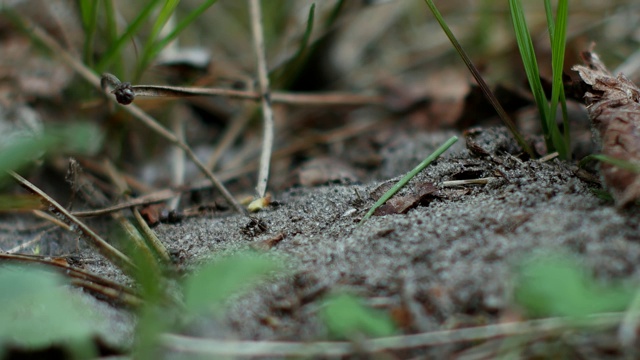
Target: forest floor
x=445 y=253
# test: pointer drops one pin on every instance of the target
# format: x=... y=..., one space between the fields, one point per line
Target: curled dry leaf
x=402 y=204
x=613 y=104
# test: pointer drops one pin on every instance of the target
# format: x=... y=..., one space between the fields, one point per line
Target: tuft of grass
x=152 y=45
x=476 y=75
x=115 y=49
x=156 y=46
x=554 y=138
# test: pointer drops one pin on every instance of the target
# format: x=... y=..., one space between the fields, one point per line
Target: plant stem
x=405 y=179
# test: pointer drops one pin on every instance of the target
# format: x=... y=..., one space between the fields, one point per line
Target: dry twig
x=542 y=327
x=76 y=225
x=81 y=278
x=265 y=98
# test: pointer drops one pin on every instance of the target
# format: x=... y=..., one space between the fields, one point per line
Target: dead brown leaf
x=613 y=104
x=402 y=204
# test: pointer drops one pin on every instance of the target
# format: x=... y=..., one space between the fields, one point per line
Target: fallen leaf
x=402 y=204
x=613 y=104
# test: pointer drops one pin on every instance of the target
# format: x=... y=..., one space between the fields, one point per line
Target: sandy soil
x=449 y=261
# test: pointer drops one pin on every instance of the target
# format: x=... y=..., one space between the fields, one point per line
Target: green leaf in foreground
x=17 y=151
x=214 y=283
x=346 y=316
x=38 y=311
x=559 y=286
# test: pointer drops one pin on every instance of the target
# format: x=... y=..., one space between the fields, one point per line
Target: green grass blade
x=288 y=71
x=18 y=151
x=550 y=23
x=89 y=14
x=405 y=179
x=164 y=15
x=476 y=75
x=334 y=14
x=525 y=45
x=116 y=48
x=111 y=30
x=558 y=45
x=304 y=43
x=161 y=44
x=622 y=164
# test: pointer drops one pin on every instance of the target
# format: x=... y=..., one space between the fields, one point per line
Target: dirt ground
x=448 y=262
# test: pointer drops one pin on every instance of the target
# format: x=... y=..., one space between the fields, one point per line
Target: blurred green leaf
x=214 y=283
x=21 y=149
x=39 y=311
x=22 y=202
x=345 y=316
x=559 y=286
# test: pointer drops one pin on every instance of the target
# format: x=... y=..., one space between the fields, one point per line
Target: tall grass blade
x=161 y=44
x=410 y=175
x=525 y=45
x=164 y=15
x=476 y=75
x=89 y=14
x=334 y=14
x=111 y=30
x=116 y=48
x=288 y=71
x=552 y=136
x=558 y=33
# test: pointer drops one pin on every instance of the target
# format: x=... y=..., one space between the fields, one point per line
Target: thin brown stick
x=280 y=97
x=36 y=239
x=480 y=181
x=213 y=347
x=109 y=293
x=153 y=198
x=150 y=122
x=76 y=225
x=267 y=111
x=43 y=215
x=146 y=240
x=161 y=130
